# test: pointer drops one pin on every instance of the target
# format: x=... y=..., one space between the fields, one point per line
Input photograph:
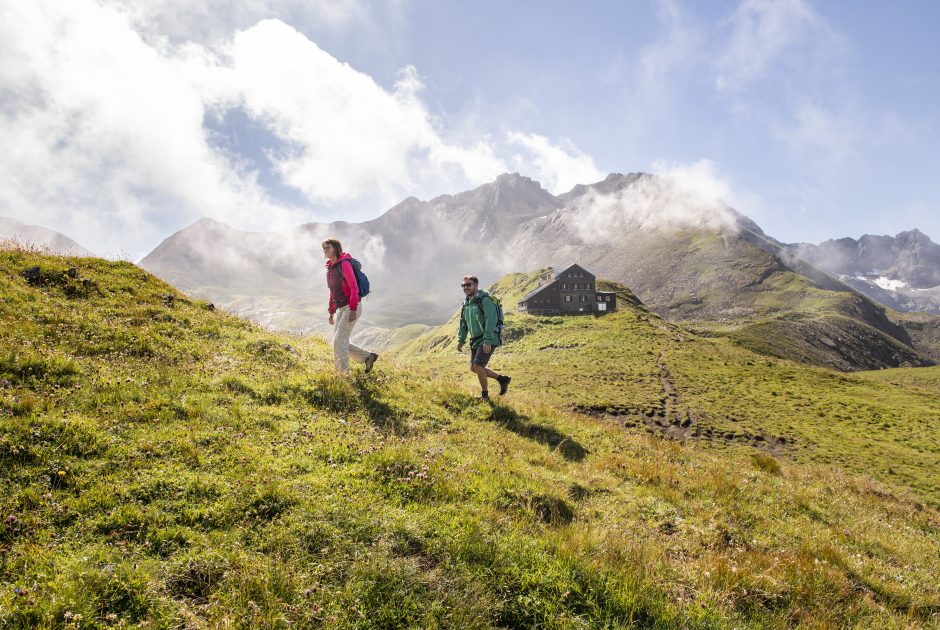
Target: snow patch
x=886 y=283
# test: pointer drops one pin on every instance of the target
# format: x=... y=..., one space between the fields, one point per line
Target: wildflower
x=11 y=519
x=61 y=473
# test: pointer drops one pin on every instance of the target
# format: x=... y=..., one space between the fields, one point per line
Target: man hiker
x=479 y=318
x=345 y=307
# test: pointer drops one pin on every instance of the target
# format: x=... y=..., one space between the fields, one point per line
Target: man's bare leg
x=484 y=373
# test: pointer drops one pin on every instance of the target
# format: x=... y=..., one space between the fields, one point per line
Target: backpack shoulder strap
x=340 y=265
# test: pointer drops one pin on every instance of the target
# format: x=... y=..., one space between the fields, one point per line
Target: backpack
x=499 y=314
x=361 y=278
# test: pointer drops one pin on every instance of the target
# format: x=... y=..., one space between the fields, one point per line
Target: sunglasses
x=466 y=284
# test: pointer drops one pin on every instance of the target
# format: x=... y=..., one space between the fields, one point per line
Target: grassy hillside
x=926 y=378
x=166 y=465
x=634 y=368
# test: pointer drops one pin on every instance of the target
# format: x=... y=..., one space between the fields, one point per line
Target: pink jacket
x=350 y=287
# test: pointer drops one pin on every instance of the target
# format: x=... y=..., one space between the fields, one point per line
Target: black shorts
x=478 y=357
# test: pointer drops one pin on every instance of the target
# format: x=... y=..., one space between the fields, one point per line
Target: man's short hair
x=472 y=279
x=335 y=244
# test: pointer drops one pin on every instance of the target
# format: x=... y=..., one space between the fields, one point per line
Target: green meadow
x=166 y=465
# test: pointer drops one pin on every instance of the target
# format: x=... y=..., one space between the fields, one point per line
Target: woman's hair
x=335 y=244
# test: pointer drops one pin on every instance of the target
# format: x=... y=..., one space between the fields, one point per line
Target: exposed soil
x=671 y=419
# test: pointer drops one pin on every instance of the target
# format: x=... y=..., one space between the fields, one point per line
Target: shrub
x=546 y=508
x=767 y=463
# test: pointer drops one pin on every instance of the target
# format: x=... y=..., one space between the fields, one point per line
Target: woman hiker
x=345 y=307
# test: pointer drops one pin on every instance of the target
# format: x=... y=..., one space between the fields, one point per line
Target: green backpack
x=499 y=314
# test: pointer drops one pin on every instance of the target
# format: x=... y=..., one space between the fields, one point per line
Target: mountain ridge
x=687 y=255
x=901 y=271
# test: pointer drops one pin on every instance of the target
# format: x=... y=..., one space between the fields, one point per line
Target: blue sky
x=863 y=79
x=131 y=120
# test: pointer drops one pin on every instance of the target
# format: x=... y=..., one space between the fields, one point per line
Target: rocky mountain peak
x=611 y=184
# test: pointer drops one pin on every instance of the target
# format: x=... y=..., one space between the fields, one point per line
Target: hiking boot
x=484 y=396
x=503 y=384
x=370 y=361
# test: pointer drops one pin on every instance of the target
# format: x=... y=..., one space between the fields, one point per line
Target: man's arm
x=462 y=331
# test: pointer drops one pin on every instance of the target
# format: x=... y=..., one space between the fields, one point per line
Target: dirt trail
x=672 y=419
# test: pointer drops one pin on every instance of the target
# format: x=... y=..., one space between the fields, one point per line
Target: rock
x=33 y=276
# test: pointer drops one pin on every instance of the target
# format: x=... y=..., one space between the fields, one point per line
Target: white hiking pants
x=342 y=328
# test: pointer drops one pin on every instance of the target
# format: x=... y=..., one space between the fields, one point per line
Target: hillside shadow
x=380 y=413
x=519 y=424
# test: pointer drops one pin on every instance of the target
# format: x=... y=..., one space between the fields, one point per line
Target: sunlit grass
x=166 y=465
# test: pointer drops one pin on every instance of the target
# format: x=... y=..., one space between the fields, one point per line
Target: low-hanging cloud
x=678 y=196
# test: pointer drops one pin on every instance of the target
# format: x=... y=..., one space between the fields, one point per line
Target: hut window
x=567 y=298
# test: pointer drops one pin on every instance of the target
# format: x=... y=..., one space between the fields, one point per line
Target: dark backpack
x=499 y=314
x=361 y=278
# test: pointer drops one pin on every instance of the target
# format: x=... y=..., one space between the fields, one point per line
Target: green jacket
x=479 y=323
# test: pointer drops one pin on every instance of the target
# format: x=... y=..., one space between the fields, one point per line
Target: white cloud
x=350 y=138
x=698 y=181
x=762 y=32
x=786 y=66
x=679 y=196
x=557 y=168
x=654 y=78
x=105 y=137
x=674 y=51
x=101 y=132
